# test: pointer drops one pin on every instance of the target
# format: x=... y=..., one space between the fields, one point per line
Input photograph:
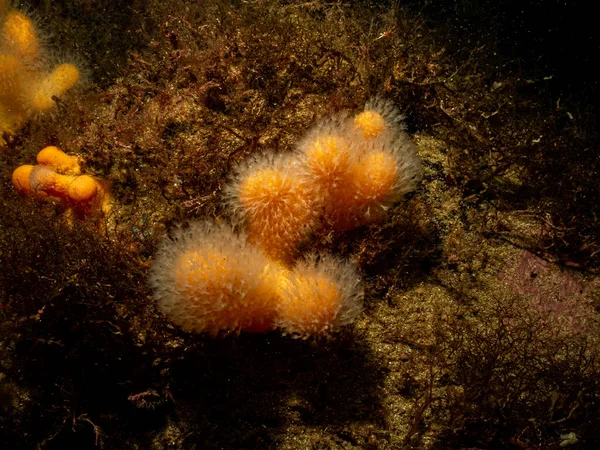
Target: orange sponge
x=207 y=279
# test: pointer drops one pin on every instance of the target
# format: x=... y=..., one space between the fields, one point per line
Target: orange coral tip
x=58 y=160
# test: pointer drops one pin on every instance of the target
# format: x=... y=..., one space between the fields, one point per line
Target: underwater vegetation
x=409 y=190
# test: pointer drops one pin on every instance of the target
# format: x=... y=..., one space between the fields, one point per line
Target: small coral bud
x=56 y=84
x=82 y=189
x=376 y=177
x=20 y=179
x=327 y=155
x=370 y=124
x=207 y=279
x=59 y=161
x=380 y=117
x=328 y=160
x=20 y=35
x=385 y=171
x=277 y=204
x=321 y=294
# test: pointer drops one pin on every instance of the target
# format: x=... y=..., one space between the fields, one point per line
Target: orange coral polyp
x=320 y=294
x=204 y=276
x=376 y=176
x=20 y=35
x=209 y=280
x=278 y=208
x=311 y=303
x=370 y=124
x=58 y=160
x=263 y=190
x=56 y=84
x=328 y=158
x=9 y=69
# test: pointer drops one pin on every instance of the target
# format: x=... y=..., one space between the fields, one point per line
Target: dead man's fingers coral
x=207 y=279
x=358 y=167
x=385 y=170
x=58 y=160
x=327 y=155
x=20 y=180
x=40 y=95
x=318 y=296
x=276 y=204
x=58 y=176
x=20 y=36
x=9 y=73
x=28 y=85
x=44 y=179
x=379 y=117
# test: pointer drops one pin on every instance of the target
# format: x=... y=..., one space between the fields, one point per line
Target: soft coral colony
x=58 y=177
x=28 y=84
x=346 y=172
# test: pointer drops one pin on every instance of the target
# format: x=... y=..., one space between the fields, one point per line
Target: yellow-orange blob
x=309 y=304
x=218 y=294
x=327 y=158
x=59 y=161
x=11 y=116
x=376 y=176
x=279 y=211
x=20 y=179
x=9 y=69
x=370 y=123
x=370 y=188
x=82 y=189
x=20 y=35
x=48 y=181
x=56 y=84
